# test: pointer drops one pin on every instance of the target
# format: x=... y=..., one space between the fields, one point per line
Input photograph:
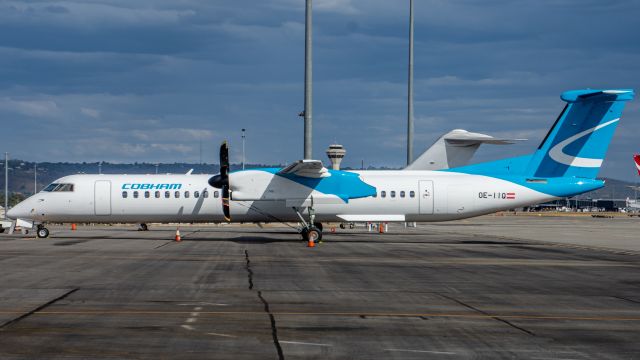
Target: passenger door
x=102 y=197
x=425 y=196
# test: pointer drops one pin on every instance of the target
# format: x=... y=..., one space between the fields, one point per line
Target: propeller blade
x=221 y=180
x=225 y=203
x=224 y=159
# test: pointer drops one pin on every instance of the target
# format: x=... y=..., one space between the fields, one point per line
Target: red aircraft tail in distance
x=636 y=158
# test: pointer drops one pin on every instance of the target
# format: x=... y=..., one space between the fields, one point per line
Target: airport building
x=587 y=205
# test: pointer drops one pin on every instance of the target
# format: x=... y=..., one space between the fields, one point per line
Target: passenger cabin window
x=216 y=194
x=196 y=194
x=375 y=195
x=157 y=194
x=135 y=194
x=124 y=194
x=393 y=194
x=55 y=187
x=177 y=194
x=412 y=193
x=186 y=194
x=205 y=194
x=402 y=194
x=146 y=194
x=383 y=194
x=167 y=194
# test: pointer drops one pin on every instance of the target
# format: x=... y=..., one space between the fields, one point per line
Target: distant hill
x=21 y=175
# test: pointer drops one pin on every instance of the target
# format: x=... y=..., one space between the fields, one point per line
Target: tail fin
x=636 y=158
x=578 y=141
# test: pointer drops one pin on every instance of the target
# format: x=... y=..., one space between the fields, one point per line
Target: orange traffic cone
x=178 y=235
x=74 y=227
x=381 y=228
x=311 y=243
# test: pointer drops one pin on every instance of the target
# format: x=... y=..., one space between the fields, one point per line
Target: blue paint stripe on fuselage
x=556 y=187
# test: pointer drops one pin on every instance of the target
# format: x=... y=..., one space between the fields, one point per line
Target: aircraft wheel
x=143 y=227
x=318 y=225
x=1 y=230
x=314 y=234
x=342 y=226
x=304 y=232
x=43 y=232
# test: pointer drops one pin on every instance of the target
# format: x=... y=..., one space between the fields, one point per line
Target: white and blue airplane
x=565 y=164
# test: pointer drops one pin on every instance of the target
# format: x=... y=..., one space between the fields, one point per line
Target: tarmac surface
x=486 y=288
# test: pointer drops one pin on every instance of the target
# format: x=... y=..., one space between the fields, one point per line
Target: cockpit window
x=50 y=187
x=55 y=187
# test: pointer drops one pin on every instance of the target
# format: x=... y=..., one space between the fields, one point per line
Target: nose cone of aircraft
x=19 y=211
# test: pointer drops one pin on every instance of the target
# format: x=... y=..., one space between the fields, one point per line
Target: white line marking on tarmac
x=303 y=343
x=423 y=351
x=190 y=320
x=198 y=308
x=225 y=335
x=195 y=314
x=188 y=327
x=203 y=303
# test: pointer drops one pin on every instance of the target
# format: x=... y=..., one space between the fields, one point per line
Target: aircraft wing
x=299 y=184
x=306 y=168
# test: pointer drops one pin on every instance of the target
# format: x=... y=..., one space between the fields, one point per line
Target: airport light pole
x=99 y=167
x=157 y=168
x=35 y=178
x=308 y=106
x=6 y=184
x=243 y=155
x=410 y=90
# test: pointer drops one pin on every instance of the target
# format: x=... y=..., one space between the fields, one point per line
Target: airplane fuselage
x=420 y=196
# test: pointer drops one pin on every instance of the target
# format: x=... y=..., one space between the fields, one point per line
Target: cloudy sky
x=148 y=80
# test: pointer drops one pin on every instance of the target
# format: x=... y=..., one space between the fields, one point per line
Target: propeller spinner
x=221 y=181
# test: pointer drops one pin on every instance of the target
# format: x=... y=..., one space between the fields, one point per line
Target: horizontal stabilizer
x=454 y=149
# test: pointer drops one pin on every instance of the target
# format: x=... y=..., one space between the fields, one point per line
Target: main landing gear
x=42 y=232
x=143 y=227
x=311 y=230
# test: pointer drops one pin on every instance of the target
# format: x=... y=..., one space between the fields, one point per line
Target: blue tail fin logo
x=557 y=151
x=577 y=143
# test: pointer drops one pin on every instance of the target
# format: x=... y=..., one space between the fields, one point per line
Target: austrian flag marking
x=511 y=195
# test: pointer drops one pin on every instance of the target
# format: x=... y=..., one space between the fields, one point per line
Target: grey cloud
x=145 y=81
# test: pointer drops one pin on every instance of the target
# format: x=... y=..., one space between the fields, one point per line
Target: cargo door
x=102 y=197
x=426 y=196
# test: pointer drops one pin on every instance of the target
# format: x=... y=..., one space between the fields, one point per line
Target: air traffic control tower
x=336 y=152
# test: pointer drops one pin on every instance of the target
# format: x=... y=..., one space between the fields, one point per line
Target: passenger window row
x=392 y=194
x=167 y=194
